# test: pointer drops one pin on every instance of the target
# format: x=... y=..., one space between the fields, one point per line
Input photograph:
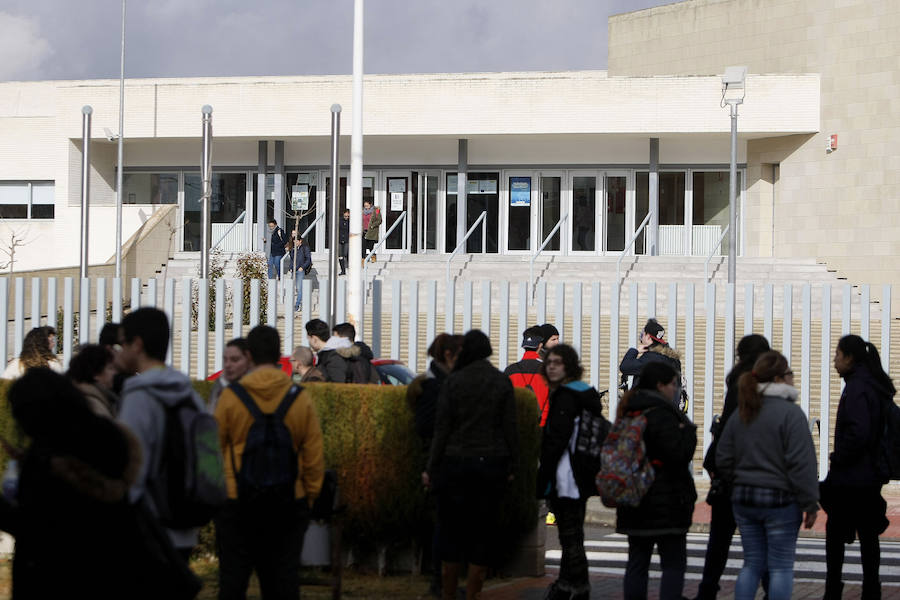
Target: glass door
x=228 y=198
x=482 y=195
x=428 y=229
x=550 y=211
x=584 y=218
x=615 y=193
x=520 y=190
x=302 y=191
x=397 y=196
x=671 y=212
x=368 y=193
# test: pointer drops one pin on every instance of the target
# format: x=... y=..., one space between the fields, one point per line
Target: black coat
x=730 y=405
x=857 y=430
x=333 y=365
x=422 y=395
x=671 y=439
x=565 y=404
x=633 y=365
x=344 y=231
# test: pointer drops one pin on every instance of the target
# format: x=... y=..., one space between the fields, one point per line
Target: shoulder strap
x=288 y=400
x=245 y=397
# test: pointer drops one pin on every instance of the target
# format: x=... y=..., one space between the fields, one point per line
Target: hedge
x=370 y=440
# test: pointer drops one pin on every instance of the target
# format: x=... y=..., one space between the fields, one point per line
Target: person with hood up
x=566 y=490
x=331 y=363
x=144 y=341
x=93 y=372
x=851 y=493
x=663 y=517
x=652 y=347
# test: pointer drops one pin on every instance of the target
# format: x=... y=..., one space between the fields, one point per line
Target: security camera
x=110 y=135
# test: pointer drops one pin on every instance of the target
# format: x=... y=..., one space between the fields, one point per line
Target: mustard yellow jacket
x=267 y=386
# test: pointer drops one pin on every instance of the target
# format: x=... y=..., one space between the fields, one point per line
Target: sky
x=80 y=39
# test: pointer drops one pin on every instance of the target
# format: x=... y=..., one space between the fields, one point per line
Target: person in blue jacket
x=301 y=263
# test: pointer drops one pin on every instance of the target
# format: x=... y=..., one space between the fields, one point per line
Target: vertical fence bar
x=450 y=310
x=614 y=302
x=376 y=320
x=431 y=312
x=560 y=310
x=289 y=320
x=541 y=291
x=396 y=301
x=413 y=346
x=846 y=309
x=101 y=305
x=324 y=300
x=577 y=310
x=730 y=342
x=787 y=324
x=340 y=313
x=169 y=308
x=52 y=303
x=486 y=308
x=84 y=310
x=651 y=300
x=68 y=319
x=748 y=309
x=254 y=303
x=633 y=324
x=805 y=341
x=865 y=311
x=19 y=316
x=886 y=328
x=35 y=302
x=152 y=293
x=825 y=383
x=187 y=291
x=467 y=306
x=768 y=312
x=272 y=303
x=218 y=357
x=237 y=308
x=522 y=320
x=203 y=328
x=709 y=363
x=672 y=316
x=135 y=293
x=306 y=309
x=4 y=319
x=504 y=324
x=594 y=340
x=117 y=299
x=689 y=314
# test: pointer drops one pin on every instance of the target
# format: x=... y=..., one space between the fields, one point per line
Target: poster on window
x=300 y=197
x=520 y=191
x=396 y=201
x=396 y=185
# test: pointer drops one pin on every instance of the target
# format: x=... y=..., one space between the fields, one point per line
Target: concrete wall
x=842 y=208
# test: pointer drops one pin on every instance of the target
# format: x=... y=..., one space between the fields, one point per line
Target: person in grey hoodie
x=766 y=454
x=144 y=341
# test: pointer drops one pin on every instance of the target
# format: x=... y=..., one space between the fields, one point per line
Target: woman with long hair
x=722 y=524
x=38 y=350
x=472 y=457
x=664 y=515
x=851 y=493
x=566 y=490
x=767 y=457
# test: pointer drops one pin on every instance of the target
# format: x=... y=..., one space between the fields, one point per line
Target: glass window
x=584 y=206
x=482 y=195
x=150 y=188
x=710 y=212
x=227 y=201
x=42 y=200
x=671 y=202
x=27 y=200
x=519 y=232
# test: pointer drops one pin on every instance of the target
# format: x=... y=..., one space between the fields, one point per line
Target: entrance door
x=550 y=211
x=482 y=195
x=398 y=193
x=521 y=191
x=671 y=212
x=584 y=218
x=428 y=228
x=228 y=199
x=615 y=194
x=368 y=193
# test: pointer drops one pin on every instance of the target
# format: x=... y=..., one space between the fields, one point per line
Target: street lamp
x=119 y=141
x=733 y=92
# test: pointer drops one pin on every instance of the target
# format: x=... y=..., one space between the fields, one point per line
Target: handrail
x=531 y=281
x=629 y=245
x=302 y=237
x=477 y=222
x=229 y=230
x=712 y=252
x=378 y=246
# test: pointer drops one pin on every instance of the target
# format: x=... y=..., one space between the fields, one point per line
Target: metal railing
x=628 y=247
x=711 y=253
x=229 y=230
x=477 y=222
x=531 y=281
x=377 y=247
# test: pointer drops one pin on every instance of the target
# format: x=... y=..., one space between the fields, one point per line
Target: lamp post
x=206 y=176
x=733 y=92
x=119 y=160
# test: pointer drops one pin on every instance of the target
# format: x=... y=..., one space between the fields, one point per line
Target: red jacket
x=527 y=374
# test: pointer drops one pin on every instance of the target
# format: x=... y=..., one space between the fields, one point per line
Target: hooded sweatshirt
x=143 y=397
x=331 y=362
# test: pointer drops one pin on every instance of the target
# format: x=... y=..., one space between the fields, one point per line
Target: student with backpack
x=662 y=515
x=851 y=493
x=526 y=373
x=274 y=467
x=157 y=403
x=566 y=476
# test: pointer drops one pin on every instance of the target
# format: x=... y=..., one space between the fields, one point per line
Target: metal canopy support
x=653 y=192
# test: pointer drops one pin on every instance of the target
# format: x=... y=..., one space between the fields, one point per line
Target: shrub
x=216 y=272
x=250 y=266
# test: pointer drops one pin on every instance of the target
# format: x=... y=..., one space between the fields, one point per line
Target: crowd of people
x=98 y=493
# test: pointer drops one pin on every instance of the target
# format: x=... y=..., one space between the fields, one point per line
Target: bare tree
x=16 y=239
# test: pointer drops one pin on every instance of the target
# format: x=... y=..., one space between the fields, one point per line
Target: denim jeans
x=274 y=263
x=299 y=275
x=769 y=539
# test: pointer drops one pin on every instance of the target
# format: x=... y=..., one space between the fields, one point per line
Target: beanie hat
x=655 y=330
x=548 y=331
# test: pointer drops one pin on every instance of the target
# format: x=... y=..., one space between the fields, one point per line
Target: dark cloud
x=183 y=38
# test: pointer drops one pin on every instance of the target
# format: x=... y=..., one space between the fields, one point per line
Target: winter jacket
x=359 y=364
x=344 y=231
x=566 y=403
x=277 y=242
x=422 y=395
x=304 y=258
x=728 y=408
x=670 y=438
x=773 y=451
x=267 y=385
x=332 y=363
x=857 y=430
x=527 y=374
x=143 y=398
x=312 y=375
x=101 y=400
x=476 y=416
x=633 y=365
x=374 y=225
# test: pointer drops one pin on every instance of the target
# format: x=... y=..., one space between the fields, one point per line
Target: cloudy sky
x=79 y=39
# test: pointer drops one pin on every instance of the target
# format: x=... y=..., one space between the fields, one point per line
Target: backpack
x=626 y=474
x=269 y=462
x=585 y=454
x=360 y=370
x=888 y=459
x=189 y=486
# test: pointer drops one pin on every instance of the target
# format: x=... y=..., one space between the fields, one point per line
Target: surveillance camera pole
x=206 y=166
x=85 y=186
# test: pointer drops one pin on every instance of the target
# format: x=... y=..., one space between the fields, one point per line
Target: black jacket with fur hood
x=632 y=364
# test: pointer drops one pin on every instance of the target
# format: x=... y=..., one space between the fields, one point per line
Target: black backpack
x=888 y=459
x=269 y=461
x=586 y=458
x=189 y=486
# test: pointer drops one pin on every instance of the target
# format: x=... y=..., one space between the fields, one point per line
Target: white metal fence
x=600 y=320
